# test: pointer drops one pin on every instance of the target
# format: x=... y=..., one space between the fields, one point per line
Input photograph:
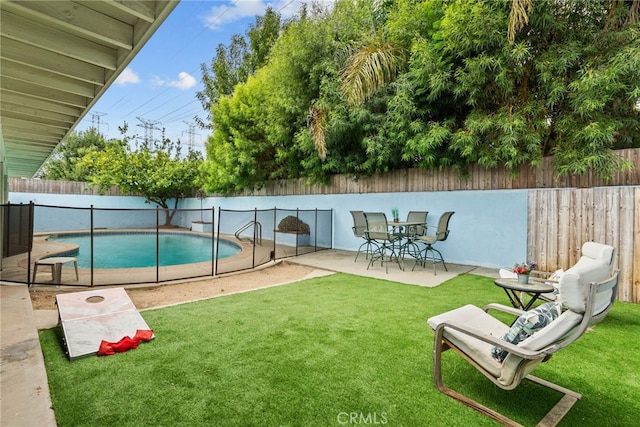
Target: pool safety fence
x=271 y=234
x=117 y=246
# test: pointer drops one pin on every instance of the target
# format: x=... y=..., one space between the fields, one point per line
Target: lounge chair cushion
x=593 y=266
x=528 y=324
x=598 y=251
x=555 y=332
x=573 y=287
x=472 y=317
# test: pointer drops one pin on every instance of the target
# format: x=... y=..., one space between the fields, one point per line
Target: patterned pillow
x=528 y=324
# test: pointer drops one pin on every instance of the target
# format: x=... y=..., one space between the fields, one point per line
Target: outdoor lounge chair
x=476 y=336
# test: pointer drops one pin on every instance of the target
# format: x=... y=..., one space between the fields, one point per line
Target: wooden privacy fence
x=22 y=185
x=448 y=179
x=561 y=220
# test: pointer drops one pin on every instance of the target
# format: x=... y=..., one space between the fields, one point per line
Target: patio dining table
x=395 y=225
x=406 y=239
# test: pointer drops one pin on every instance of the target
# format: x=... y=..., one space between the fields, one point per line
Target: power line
x=192 y=133
x=216 y=19
x=149 y=126
x=95 y=120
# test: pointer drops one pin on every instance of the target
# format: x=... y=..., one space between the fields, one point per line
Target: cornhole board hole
x=89 y=317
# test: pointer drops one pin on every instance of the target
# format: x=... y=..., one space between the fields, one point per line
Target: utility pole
x=149 y=126
x=95 y=120
x=192 y=133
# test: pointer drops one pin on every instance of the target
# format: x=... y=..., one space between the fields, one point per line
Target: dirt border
x=150 y=296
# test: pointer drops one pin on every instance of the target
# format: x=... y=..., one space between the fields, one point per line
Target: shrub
x=294 y=225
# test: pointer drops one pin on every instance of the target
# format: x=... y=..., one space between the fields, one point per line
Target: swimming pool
x=136 y=250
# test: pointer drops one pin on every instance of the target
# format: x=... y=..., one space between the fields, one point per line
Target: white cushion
x=598 y=251
x=573 y=287
x=558 y=329
x=475 y=318
x=593 y=266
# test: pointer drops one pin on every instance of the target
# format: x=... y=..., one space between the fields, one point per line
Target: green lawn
x=331 y=351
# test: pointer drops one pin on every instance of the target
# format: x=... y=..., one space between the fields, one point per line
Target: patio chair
x=507 y=355
x=378 y=232
x=359 y=227
x=412 y=232
x=428 y=254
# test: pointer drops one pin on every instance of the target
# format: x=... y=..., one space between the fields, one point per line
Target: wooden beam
x=135 y=9
x=24 y=112
x=12 y=128
x=38 y=103
x=45 y=60
x=47 y=79
x=54 y=40
x=42 y=92
x=17 y=123
x=77 y=19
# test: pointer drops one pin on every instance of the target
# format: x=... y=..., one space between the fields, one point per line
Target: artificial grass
x=336 y=350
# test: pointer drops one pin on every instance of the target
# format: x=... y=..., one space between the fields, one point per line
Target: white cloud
x=128 y=76
x=157 y=81
x=185 y=81
x=218 y=16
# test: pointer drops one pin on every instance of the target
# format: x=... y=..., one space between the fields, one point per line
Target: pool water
x=135 y=250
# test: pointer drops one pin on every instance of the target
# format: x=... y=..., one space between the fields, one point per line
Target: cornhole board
x=89 y=317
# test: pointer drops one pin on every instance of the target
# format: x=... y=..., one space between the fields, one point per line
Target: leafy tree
x=156 y=170
x=555 y=90
x=255 y=127
x=234 y=63
x=375 y=85
x=64 y=164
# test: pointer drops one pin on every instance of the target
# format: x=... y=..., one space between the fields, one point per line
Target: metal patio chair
x=378 y=232
x=428 y=254
x=359 y=228
x=412 y=232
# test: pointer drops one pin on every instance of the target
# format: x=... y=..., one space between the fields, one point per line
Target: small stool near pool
x=56 y=264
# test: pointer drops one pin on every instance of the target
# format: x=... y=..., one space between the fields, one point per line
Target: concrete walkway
x=24 y=390
x=24 y=396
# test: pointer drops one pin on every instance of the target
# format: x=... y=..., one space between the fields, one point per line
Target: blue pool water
x=118 y=250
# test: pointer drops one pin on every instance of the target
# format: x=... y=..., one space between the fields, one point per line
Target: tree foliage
x=370 y=86
x=64 y=164
x=234 y=63
x=156 y=170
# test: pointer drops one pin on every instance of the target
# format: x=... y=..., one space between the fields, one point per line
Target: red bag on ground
x=126 y=343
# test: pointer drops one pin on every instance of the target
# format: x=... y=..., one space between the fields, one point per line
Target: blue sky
x=159 y=85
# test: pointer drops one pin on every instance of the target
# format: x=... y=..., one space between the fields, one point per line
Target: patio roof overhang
x=57 y=59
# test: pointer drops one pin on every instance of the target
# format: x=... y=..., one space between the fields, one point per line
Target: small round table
x=535 y=287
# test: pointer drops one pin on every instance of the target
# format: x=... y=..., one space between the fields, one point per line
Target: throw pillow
x=528 y=324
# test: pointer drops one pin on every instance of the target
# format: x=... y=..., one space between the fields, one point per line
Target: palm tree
x=518 y=17
x=369 y=67
x=372 y=66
